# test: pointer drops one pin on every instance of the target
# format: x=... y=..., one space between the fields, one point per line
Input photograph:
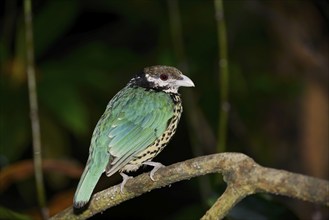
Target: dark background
x=86 y=51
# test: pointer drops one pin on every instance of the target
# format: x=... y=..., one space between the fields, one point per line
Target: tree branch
x=242 y=175
x=35 y=122
x=223 y=68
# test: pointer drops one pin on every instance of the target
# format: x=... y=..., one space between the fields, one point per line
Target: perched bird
x=137 y=124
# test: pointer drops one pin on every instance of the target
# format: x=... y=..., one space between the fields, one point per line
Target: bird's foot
x=155 y=165
x=124 y=181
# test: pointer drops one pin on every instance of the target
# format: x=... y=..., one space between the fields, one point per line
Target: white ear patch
x=169 y=84
x=157 y=81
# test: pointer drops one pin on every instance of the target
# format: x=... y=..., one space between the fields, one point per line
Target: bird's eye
x=163 y=77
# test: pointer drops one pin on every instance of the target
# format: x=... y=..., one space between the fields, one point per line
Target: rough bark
x=242 y=175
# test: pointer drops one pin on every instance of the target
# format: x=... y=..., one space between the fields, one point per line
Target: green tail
x=87 y=183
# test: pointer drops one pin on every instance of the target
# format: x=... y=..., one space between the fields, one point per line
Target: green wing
x=135 y=119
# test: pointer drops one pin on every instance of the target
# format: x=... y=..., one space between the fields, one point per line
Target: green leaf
x=14 y=122
x=64 y=101
x=9 y=214
x=54 y=19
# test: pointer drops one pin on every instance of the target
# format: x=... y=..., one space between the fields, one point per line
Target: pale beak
x=185 y=81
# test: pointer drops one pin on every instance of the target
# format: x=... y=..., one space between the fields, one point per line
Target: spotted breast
x=155 y=148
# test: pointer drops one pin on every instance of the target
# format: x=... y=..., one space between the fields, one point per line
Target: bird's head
x=162 y=78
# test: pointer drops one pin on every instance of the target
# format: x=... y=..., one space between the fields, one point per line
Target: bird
x=137 y=124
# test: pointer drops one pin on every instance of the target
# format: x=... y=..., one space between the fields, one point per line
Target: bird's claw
x=156 y=167
x=124 y=181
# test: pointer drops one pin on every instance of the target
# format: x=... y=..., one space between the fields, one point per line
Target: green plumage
x=133 y=121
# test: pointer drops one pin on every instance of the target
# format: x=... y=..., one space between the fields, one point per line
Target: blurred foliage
x=261 y=207
x=87 y=50
x=8 y=214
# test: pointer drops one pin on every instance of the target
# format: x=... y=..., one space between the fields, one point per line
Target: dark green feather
x=132 y=121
